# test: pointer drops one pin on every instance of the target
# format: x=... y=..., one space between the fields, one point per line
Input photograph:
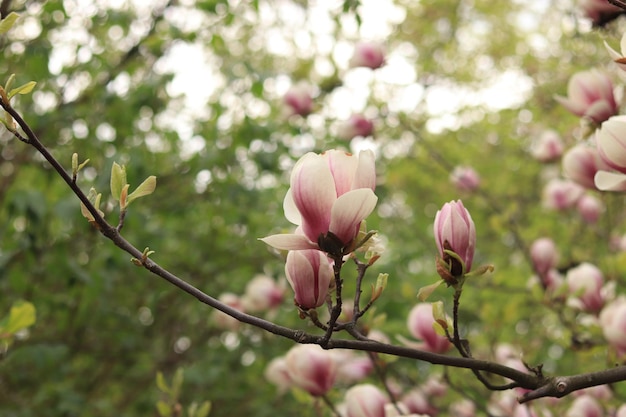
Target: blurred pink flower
x=585 y=406
x=420 y=325
x=543 y=255
x=365 y=400
x=590 y=208
x=611 y=143
x=465 y=178
x=599 y=11
x=298 y=100
x=330 y=195
x=367 y=54
x=223 y=320
x=590 y=95
x=309 y=273
x=351 y=367
x=356 y=125
x=547 y=147
x=613 y=323
x=585 y=285
x=276 y=372
x=581 y=163
x=559 y=194
x=311 y=368
x=262 y=293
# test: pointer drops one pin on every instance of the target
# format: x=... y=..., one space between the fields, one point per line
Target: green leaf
x=145 y=188
x=204 y=409
x=177 y=383
x=8 y=22
x=22 y=315
x=164 y=409
x=23 y=89
x=426 y=291
x=161 y=384
x=118 y=180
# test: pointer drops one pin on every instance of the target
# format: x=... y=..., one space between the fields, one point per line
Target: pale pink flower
x=420 y=325
x=613 y=323
x=621 y=411
x=262 y=293
x=350 y=366
x=559 y=194
x=547 y=147
x=581 y=163
x=465 y=178
x=298 y=100
x=544 y=255
x=330 y=195
x=454 y=230
x=463 y=408
x=311 y=368
x=590 y=95
x=367 y=54
x=611 y=143
x=417 y=402
x=356 y=125
x=590 y=208
x=618 y=58
x=585 y=406
x=276 y=372
x=365 y=400
x=309 y=273
x=585 y=283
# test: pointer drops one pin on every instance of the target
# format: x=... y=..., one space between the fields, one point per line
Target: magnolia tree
x=488 y=298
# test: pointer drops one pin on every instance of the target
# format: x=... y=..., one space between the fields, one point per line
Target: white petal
x=291 y=211
x=349 y=210
x=610 y=181
x=289 y=241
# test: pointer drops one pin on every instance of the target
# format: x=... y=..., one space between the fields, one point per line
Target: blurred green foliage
x=108 y=88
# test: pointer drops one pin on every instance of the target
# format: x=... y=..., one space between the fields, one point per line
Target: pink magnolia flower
x=585 y=406
x=585 y=284
x=454 y=230
x=543 y=255
x=590 y=208
x=365 y=400
x=420 y=324
x=330 y=195
x=611 y=143
x=311 y=368
x=298 y=100
x=559 y=194
x=356 y=125
x=370 y=55
x=599 y=11
x=417 y=402
x=621 y=411
x=590 y=95
x=309 y=273
x=262 y=293
x=547 y=147
x=613 y=323
x=581 y=163
x=465 y=178
x=277 y=373
x=350 y=366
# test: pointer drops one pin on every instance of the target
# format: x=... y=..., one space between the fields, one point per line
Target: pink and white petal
x=365 y=176
x=574 y=107
x=348 y=212
x=610 y=181
x=342 y=167
x=289 y=241
x=291 y=211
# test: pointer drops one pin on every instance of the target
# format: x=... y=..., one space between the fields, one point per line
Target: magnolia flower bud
x=420 y=324
x=370 y=55
x=262 y=293
x=298 y=100
x=311 y=368
x=465 y=178
x=613 y=322
x=365 y=400
x=590 y=208
x=356 y=125
x=547 y=147
x=581 y=163
x=309 y=273
x=277 y=373
x=455 y=231
x=590 y=95
x=544 y=255
x=561 y=194
x=585 y=283
x=584 y=406
x=223 y=320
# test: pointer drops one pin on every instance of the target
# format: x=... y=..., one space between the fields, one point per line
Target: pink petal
x=289 y=241
x=365 y=176
x=348 y=212
x=291 y=211
x=342 y=167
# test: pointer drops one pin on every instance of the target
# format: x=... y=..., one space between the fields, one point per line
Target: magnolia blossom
x=559 y=194
x=547 y=147
x=365 y=400
x=262 y=293
x=366 y=54
x=420 y=324
x=613 y=323
x=543 y=255
x=581 y=163
x=465 y=178
x=618 y=58
x=356 y=125
x=330 y=195
x=585 y=406
x=454 y=230
x=309 y=273
x=311 y=368
x=277 y=373
x=590 y=208
x=463 y=408
x=350 y=366
x=590 y=95
x=417 y=401
x=585 y=284
x=298 y=100
x=599 y=11
x=611 y=143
